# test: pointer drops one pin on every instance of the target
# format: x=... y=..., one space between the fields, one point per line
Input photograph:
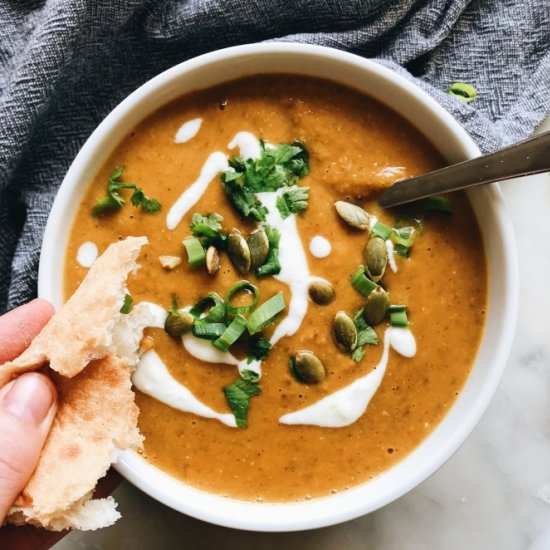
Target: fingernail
x=30 y=398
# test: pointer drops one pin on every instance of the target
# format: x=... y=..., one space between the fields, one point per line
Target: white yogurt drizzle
x=87 y=254
x=320 y=247
x=391 y=255
x=294 y=268
x=188 y=130
x=345 y=406
x=203 y=350
x=248 y=144
x=152 y=377
x=215 y=163
x=389 y=247
x=292 y=257
x=338 y=409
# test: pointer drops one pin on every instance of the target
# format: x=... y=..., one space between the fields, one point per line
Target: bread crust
x=96 y=416
x=81 y=330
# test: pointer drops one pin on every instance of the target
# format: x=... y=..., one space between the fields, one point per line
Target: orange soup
x=355 y=328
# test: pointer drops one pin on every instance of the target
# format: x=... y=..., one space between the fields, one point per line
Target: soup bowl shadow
x=454 y=144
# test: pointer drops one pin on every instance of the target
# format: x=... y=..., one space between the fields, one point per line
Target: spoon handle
x=531 y=156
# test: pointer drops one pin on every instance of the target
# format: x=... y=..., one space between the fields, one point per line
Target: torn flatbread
x=90 y=360
x=82 y=330
x=96 y=417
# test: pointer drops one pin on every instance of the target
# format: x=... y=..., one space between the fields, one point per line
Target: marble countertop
x=493 y=493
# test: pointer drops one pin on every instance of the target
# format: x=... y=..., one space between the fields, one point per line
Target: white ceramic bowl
x=452 y=142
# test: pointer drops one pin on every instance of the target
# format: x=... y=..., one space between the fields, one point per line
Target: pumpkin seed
x=376 y=307
x=178 y=324
x=258 y=243
x=353 y=215
x=238 y=251
x=376 y=258
x=321 y=292
x=345 y=332
x=212 y=260
x=308 y=367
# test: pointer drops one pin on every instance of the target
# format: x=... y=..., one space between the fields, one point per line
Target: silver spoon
x=531 y=156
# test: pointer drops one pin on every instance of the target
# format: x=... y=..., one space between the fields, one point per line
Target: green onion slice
x=266 y=313
x=237 y=288
x=212 y=306
x=381 y=230
x=231 y=334
x=361 y=283
x=127 y=304
x=438 y=204
x=404 y=238
x=196 y=255
x=208 y=331
x=398 y=316
x=463 y=91
x=402 y=250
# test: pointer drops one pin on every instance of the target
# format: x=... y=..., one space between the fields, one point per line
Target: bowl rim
x=347 y=505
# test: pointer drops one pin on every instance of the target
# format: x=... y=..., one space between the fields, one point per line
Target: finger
x=20 y=325
x=27 y=408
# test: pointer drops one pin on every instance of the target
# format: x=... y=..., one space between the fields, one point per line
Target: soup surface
x=355 y=145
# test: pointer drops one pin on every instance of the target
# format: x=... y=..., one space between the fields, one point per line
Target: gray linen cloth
x=64 y=64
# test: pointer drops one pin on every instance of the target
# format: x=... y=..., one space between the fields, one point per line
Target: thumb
x=27 y=409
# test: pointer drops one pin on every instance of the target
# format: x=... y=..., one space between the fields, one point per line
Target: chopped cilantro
x=258 y=348
x=271 y=265
x=127 y=304
x=244 y=200
x=293 y=201
x=278 y=166
x=208 y=229
x=114 y=201
x=365 y=336
x=239 y=393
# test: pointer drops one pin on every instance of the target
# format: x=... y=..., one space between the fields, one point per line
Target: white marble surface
x=494 y=493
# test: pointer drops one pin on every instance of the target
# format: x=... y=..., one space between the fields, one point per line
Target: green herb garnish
x=403 y=238
x=114 y=201
x=398 y=316
x=242 y=287
x=381 y=230
x=365 y=336
x=258 y=348
x=361 y=283
x=278 y=166
x=210 y=309
x=272 y=265
x=266 y=314
x=438 y=204
x=463 y=91
x=196 y=255
x=208 y=331
x=174 y=308
x=208 y=229
x=238 y=396
x=127 y=304
x=231 y=334
x=293 y=201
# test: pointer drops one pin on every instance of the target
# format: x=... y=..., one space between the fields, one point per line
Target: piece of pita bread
x=96 y=417
x=82 y=330
x=96 y=414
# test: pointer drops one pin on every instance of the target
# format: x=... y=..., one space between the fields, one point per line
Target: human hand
x=27 y=404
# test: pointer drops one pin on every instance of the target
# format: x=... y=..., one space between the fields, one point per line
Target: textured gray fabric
x=65 y=64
